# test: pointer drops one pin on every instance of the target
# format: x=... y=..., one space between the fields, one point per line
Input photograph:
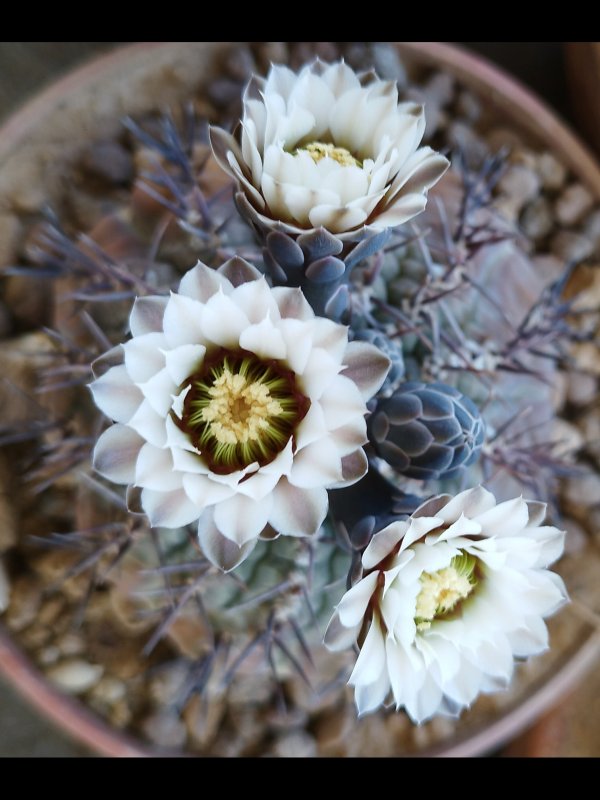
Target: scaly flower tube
x=448 y=599
x=236 y=408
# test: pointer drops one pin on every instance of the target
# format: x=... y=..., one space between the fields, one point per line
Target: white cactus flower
x=237 y=408
x=448 y=600
x=328 y=148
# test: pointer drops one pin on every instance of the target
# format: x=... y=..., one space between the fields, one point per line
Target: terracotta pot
x=96 y=97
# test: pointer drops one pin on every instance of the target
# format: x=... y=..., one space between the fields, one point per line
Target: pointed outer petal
x=331 y=336
x=292 y=304
x=220 y=551
x=319 y=243
x=354 y=467
x=335 y=218
x=462 y=527
x=320 y=373
x=370 y=698
x=419 y=173
x=433 y=506
x=238 y=271
x=242 y=519
x=169 y=509
x=203 y=492
x=116 y=452
x=115 y=394
x=159 y=392
x=349 y=183
x=538 y=549
x=350 y=437
x=248 y=211
x=150 y=425
x=488 y=554
x=353 y=605
x=340 y=78
x=223 y=321
x=366 y=248
x=466 y=684
x=382 y=544
x=222 y=143
x=266 y=478
x=341 y=402
x=250 y=151
x=178 y=440
x=401 y=211
x=240 y=170
x=280 y=80
x=183 y=321
x=398 y=610
x=300 y=200
x=404 y=677
x=154 y=470
x=506 y=519
x=419 y=528
x=298 y=343
x=316 y=465
x=530 y=639
x=147 y=315
x=256 y=301
x=312 y=428
x=112 y=358
x=441 y=656
x=264 y=339
x=201 y=282
x=314 y=94
x=184 y=361
x=551 y=543
x=471 y=503
x=496 y=658
x=537 y=513
x=366 y=366
x=337 y=637
x=144 y=356
x=189 y=461
x=298 y=512
x=371 y=660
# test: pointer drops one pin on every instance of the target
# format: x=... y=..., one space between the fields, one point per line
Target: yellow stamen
x=441 y=591
x=239 y=409
x=319 y=150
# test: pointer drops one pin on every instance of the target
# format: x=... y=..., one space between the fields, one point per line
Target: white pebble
x=573 y=203
x=551 y=171
x=76 y=676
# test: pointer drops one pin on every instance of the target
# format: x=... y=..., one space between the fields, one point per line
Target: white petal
x=337 y=637
x=221 y=552
x=371 y=660
x=331 y=336
x=353 y=605
x=203 y=491
x=371 y=697
x=312 y=428
x=354 y=467
x=266 y=478
x=115 y=394
x=298 y=343
x=202 y=282
x=159 y=391
x=292 y=303
x=144 y=356
x=147 y=315
x=256 y=301
x=264 y=339
x=350 y=437
x=316 y=465
x=242 y=519
x=337 y=219
x=366 y=366
x=184 y=361
x=418 y=528
x=169 y=509
x=341 y=402
x=320 y=372
x=382 y=544
x=154 y=470
x=149 y=425
x=116 y=453
x=223 y=322
x=506 y=519
x=298 y=512
x=401 y=211
x=182 y=322
x=471 y=503
x=530 y=639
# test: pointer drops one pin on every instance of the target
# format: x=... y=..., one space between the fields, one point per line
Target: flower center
x=320 y=150
x=240 y=410
x=443 y=590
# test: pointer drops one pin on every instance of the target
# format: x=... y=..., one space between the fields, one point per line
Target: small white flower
x=329 y=148
x=449 y=598
x=236 y=407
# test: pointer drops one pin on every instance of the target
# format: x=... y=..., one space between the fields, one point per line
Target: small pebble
x=520 y=184
x=469 y=106
x=576 y=539
x=552 y=173
x=582 y=389
x=75 y=676
x=298 y=744
x=571 y=247
x=573 y=203
x=537 y=220
x=108 y=162
x=583 y=491
x=165 y=729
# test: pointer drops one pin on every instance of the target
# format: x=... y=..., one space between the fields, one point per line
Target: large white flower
x=329 y=148
x=237 y=407
x=448 y=599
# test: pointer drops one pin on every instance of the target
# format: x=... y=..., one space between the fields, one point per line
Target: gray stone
x=553 y=174
x=583 y=491
x=520 y=184
x=571 y=247
x=537 y=220
x=582 y=389
x=298 y=744
x=573 y=203
x=165 y=729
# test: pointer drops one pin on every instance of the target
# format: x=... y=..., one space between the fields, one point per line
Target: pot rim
x=531 y=115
